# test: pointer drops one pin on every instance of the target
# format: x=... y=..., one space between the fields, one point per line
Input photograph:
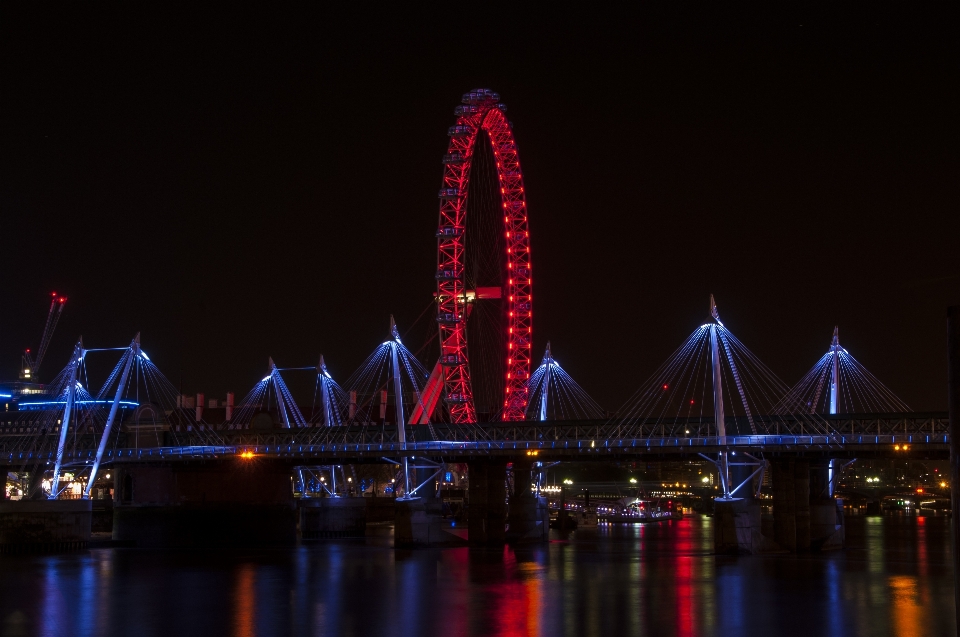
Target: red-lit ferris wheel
x=483 y=262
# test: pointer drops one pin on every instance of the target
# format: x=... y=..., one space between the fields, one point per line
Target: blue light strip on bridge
x=128 y=403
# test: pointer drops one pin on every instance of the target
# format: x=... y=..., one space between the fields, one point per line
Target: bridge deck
x=872 y=435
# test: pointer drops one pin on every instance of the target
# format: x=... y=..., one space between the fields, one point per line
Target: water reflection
x=894 y=579
x=244 y=602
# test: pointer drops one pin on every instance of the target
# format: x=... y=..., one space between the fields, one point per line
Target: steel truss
x=372 y=441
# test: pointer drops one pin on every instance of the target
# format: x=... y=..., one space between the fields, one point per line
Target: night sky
x=244 y=186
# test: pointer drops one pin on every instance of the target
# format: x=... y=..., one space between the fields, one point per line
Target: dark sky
x=237 y=186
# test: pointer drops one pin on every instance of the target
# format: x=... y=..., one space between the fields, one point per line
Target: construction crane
x=31 y=364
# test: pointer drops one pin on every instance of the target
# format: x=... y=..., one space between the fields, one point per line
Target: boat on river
x=640 y=511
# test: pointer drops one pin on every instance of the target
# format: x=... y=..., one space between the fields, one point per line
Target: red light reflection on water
x=517 y=598
x=244 y=603
x=684 y=585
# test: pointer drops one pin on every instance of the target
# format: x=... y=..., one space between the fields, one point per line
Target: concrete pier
x=488 y=501
x=827 y=528
x=33 y=526
x=737 y=528
x=528 y=519
x=417 y=526
x=784 y=504
x=326 y=518
x=210 y=504
x=805 y=516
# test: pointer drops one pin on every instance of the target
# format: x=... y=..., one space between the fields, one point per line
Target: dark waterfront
x=895 y=579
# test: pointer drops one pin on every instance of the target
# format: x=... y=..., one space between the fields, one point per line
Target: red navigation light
x=664 y=386
x=691 y=402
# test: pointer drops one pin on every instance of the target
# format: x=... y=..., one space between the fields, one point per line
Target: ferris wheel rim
x=482 y=111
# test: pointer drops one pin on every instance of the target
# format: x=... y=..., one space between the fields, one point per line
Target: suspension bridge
x=477 y=402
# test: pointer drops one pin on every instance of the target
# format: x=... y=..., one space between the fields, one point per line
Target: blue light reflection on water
x=894 y=579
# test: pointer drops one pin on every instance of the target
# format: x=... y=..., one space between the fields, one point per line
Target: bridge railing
x=21 y=443
x=573 y=431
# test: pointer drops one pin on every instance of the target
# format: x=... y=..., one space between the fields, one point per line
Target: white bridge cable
x=339 y=402
x=677 y=399
x=859 y=391
x=147 y=412
x=566 y=400
x=258 y=400
x=249 y=405
x=375 y=376
x=660 y=396
x=290 y=414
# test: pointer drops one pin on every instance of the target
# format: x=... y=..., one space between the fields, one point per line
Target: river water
x=895 y=578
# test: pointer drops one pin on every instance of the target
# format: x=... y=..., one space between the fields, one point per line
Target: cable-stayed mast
x=332 y=398
x=850 y=387
x=258 y=400
x=554 y=395
x=712 y=386
x=835 y=378
x=390 y=370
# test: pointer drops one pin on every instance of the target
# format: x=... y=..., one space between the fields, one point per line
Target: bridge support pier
x=212 y=503
x=416 y=525
x=42 y=526
x=784 y=504
x=801 y=491
x=736 y=527
x=737 y=523
x=39 y=525
x=324 y=518
x=528 y=518
x=805 y=516
x=488 y=501
x=827 y=527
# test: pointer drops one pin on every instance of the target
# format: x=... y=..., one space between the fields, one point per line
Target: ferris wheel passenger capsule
x=448 y=274
x=449 y=193
x=450 y=231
